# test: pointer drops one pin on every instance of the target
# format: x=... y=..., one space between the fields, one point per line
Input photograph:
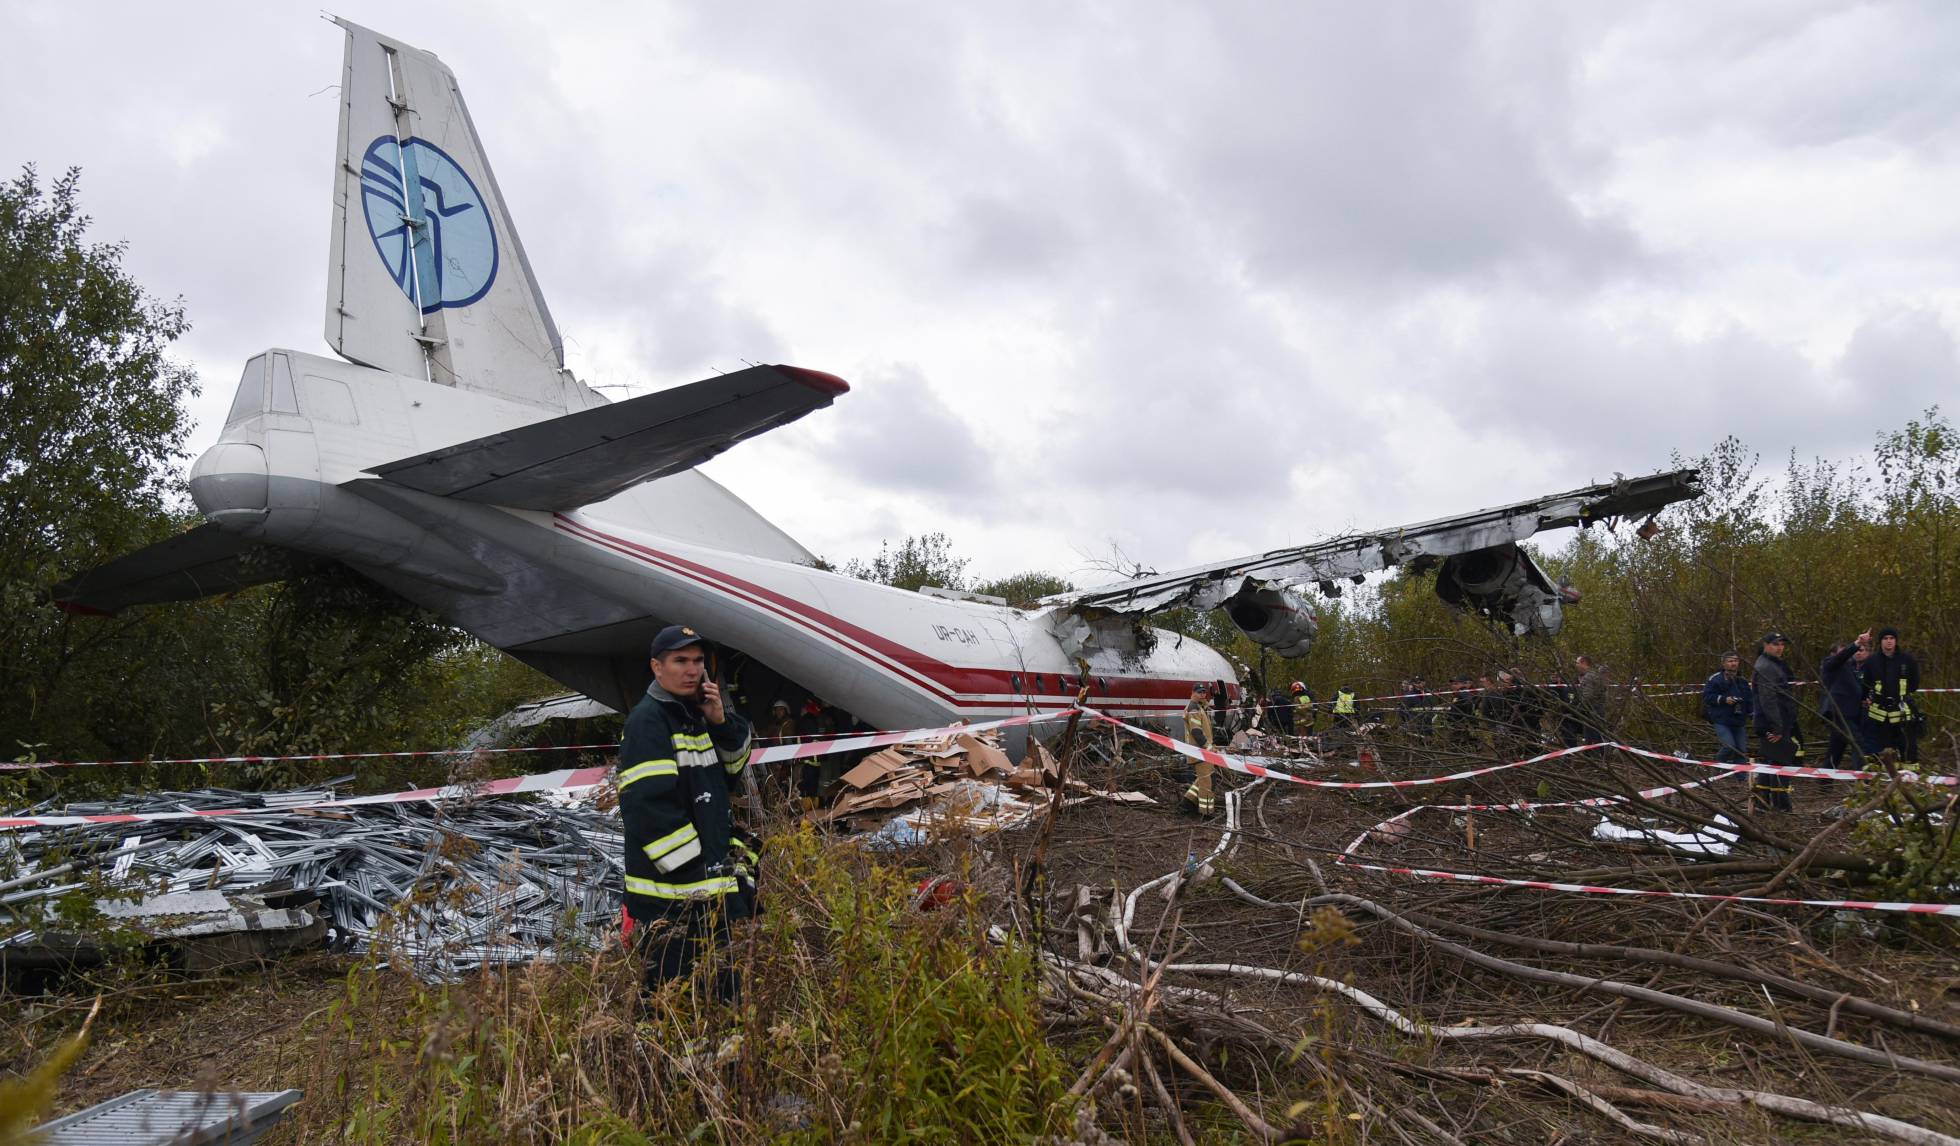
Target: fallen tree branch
x=1799 y=1108
x=1599 y=1104
x=1259 y=1126
x=1810 y=1040
x=1837 y=1000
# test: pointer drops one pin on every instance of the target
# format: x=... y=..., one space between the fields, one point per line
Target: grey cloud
x=1904 y=356
x=901 y=438
x=997 y=236
x=1383 y=148
x=1621 y=395
x=1797 y=75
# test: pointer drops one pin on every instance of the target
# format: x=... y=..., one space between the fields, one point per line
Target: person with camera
x=1727 y=703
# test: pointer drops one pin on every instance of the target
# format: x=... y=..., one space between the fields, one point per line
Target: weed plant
x=864 y=1018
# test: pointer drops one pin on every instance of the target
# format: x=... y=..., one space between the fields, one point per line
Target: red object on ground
x=935 y=892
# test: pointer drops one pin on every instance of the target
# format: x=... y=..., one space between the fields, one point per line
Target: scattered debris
x=962 y=781
x=171 y=1118
x=499 y=881
x=1710 y=841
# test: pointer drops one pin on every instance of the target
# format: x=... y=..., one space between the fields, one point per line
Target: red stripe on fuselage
x=931 y=674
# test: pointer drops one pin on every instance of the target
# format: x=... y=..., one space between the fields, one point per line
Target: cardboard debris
x=983 y=758
x=965 y=780
x=876 y=767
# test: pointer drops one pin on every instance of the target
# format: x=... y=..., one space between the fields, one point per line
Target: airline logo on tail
x=429 y=223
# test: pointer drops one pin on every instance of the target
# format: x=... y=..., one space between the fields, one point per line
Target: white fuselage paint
x=591 y=582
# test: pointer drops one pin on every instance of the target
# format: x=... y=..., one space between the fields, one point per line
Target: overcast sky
x=1196 y=280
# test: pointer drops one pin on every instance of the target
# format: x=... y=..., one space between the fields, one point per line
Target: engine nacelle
x=1279 y=619
x=1504 y=583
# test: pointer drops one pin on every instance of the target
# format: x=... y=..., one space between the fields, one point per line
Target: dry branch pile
x=1234 y=970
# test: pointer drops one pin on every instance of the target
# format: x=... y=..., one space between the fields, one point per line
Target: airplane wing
x=1491 y=533
x=588 y=456
x=196 y=563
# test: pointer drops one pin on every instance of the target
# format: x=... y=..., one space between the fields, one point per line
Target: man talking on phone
x=687 y=873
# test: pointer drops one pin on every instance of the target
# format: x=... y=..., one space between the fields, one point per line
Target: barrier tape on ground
x=1948 y=909
x=1253 y=768
x=1783 y=769
x=1346 y=855
x=400 y=755
x=1644 y=689
x=804 y=746
x=563 y=780
x=777 y=752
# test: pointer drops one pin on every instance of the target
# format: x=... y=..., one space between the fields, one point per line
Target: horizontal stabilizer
x=195 y=563
x=577 y=459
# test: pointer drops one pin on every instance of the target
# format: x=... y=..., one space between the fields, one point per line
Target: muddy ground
x=247 y=1029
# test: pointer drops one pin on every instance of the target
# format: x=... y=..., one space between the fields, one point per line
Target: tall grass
x=863 y=1019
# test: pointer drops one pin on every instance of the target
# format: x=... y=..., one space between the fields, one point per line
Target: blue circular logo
x=430 y=225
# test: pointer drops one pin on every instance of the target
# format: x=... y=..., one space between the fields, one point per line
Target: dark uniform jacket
x=675 y=771
x=1776 y=705
x=1714 y=700
x=1890 y=682
x=1844 y=692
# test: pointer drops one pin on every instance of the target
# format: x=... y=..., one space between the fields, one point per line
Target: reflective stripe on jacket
x=1197 y=724
x=674 y=778
x=1890 y=682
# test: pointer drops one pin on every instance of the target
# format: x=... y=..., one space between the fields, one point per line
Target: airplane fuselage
x=578 y=593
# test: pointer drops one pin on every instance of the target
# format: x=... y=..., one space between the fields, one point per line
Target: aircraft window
x=1015 y=680
x=328 y=399
x=283 y=400
x=251 y=392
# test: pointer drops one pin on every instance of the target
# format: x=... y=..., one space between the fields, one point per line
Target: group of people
x=813 y=719
x=1869 y=703
x=689 y=872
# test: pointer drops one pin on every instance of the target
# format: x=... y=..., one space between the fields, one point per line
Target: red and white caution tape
x=800 y=747
x=1346 y=855
x=1781 y=769
x=1252 y=768
x=810 y=748
x=1948 y=909
x=402 y=755
x=563 y=780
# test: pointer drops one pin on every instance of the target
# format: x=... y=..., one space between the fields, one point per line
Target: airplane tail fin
x=427 y=277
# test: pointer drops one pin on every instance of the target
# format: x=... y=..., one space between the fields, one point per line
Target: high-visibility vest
x=1344 y=703
x=1901 y=710
x=1197 y=725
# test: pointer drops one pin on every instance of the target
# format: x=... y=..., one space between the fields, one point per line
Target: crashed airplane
x=448 y=455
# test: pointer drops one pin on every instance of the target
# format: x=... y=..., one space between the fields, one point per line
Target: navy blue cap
x=674 y=637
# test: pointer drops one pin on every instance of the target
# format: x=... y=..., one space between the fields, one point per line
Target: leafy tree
x=918 y=561
x=91 y=419
x=1023 y=590
x=92 y=429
